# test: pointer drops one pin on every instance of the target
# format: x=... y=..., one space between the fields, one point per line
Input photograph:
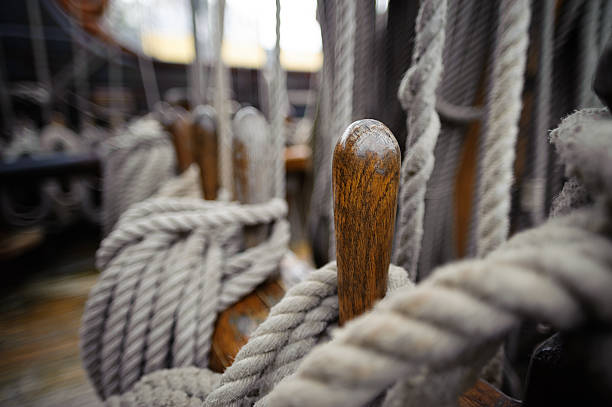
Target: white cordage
x=169 y=266
x=136 y=163
x=503 y=112
x=437 y=334
x=417 y=94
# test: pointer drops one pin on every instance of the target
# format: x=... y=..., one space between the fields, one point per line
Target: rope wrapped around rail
x=559 y=273
x=169 y=267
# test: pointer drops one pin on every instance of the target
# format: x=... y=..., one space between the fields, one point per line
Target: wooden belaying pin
x=205 y=150
x=181 y=131
x=365 y=179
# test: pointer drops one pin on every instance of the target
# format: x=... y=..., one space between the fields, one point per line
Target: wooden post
x=180 y=129
x=365 y=179
x=205 y=151
x=252 y=175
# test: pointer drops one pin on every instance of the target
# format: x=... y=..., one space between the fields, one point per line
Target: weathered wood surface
x=365 y=180
x=181 y=129
x=205 y=145
x=235 y=324
x=485 y=395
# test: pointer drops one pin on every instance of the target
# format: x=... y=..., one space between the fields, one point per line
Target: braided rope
x=169 y=267
x=342 y=96
x=504 y=108
x=417 y=94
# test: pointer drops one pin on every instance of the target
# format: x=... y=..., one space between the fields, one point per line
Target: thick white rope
x=169 y=267
x=137 y=162
x=342 y=96
x=437 y=334
x=417 y=94
x=504 y=109
x=293 y=327
x=558 y=273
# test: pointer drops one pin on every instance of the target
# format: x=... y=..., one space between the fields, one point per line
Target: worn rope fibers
x=302 y=319
x=503 y=111
x=417 y=93
x=447 y=326
x=169 y=267
x=136 y=163
x=558 y=273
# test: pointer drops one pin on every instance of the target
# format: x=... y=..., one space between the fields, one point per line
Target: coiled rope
x=417 y=94
x=558 y=273
x=169 y=266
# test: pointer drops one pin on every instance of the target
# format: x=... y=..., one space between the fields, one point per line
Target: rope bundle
x=169 y=266
x=558 y=273
x=136 y=163
x=438 y=334
x=295 y=325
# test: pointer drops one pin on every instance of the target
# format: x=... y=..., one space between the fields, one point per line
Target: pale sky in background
x=164 y=30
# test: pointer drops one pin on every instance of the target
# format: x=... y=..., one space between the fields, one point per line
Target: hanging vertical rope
x=342 y=97
x=542 y=112
x=417 y=94
x=590 y=52
x=220 y=102
x=277 y=113
x=504 y=108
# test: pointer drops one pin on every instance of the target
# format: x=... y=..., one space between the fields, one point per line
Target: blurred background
x=72 y=75
x=81 y=80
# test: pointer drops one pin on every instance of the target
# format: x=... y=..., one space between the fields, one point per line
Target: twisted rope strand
x=488 y=297
x=417 y=94
x=171 y=267
x=504 y=108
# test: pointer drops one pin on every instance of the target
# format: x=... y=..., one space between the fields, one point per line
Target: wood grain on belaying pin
x=365 y=178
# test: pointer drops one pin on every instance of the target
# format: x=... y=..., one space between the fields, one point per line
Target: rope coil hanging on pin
x=169 y=266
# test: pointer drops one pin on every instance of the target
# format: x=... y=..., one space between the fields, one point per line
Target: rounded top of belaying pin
x=369 y=139
x=205 y=117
